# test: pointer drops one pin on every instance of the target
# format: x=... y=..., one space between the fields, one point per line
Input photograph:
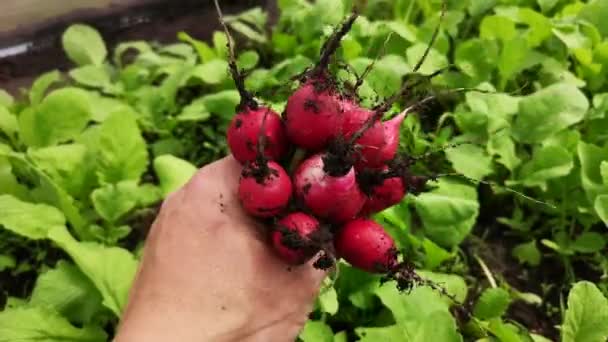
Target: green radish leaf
x=84 y=45
x=41 y=85
x=601 y=207
x=122 y=149
x=595 y=11
x=586 y=317
x=113 y=201
x=29 y=220
x=438 y=326
x=589 y=242
x=7 y=262
x=492 y=303
x=547 y=163
x=111 y=269
x=49 y=191
x=448 y=212
x=391 y=333
x=60 y=117
x=222 y=103
x=67 y=165
x=248 y=60
x=328 y=300
x=6 y=99
x=204 y=51
x=29 y=324
x=477 y=58
x=357 y=286
x=94 y=76
x=316 y=331
x=173 y=172
x=212 y=72
x=68 y=291
x=8 y=122
x=527 y=253
x=549 y=111
x=470 y=160
x=591 y=158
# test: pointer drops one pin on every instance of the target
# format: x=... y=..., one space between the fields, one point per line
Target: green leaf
x=591 y=158
x=111 y=269
x=32 y=221
x=549 y=111
x=328 y=300
x=113 y=201
x=248 y=60
x=434 y=255
x=501 y=145
x=476 y=58
x=212 y=72
x=67 y=165
x=357 y=286
x=29 y=324
x=172 y=172
x=527 y=253
x=84 y=45
x=392 y=333
x=586 y=318
x=512 y=57
x=505 y=332
x=8 y=122
x=6 y=99
x=204 y=51
x=41 y=85
x=492 y=303
x=9 y=184
x=68 y=291
x=102 y=107
x=122 y=149
x=589 y=242
x=452 y=283
x=195 y=111
x=222 y=103
x=316 y=331
x=497 y=27
x=433 y=62
x=448 y=212
x=601 y=207
x=61 y=116
x=49 y=191
x=547 y=5
x=438 y=326
x=470 y=160
x=7 y=262
x=548 y=162
x=94 y=76
x=595 y=11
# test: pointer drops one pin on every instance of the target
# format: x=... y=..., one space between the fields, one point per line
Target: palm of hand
x=208 y=263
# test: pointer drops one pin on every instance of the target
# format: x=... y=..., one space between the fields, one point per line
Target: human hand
x=209 y=274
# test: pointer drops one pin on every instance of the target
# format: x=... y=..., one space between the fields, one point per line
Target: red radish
x=313 y=112
x=336 y=198
x=245 y=130
x=292 y=238
x=364 y=244
x=265 y=191
x=370 y=142
x=313 y=115
x=390 y=192
x=391 y=137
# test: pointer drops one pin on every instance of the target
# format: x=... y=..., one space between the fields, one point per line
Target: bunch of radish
x=316 y=173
